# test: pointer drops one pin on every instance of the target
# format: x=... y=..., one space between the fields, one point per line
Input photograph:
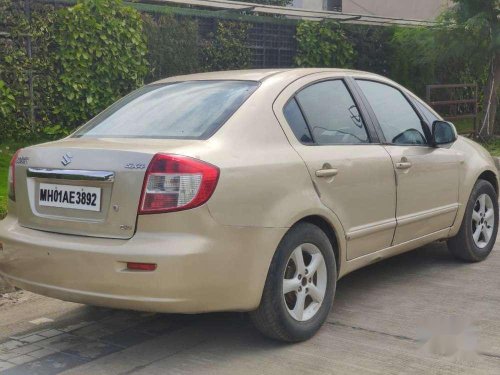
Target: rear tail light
x=12 y=176
x=175 y=182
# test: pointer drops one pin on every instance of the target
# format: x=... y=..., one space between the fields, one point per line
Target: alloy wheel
x=483 y=220
x=304 y=282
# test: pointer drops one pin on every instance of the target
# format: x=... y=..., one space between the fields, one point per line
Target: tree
x=26 y=77
x=227 y=48
x=172 y=45
x=479 y=21
x=424 y=56
x=100 y=56
x=322 y=44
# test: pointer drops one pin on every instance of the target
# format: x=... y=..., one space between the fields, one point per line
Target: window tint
x=399 y=122
x=332 y=114
x=192 y=109
x=296 y=121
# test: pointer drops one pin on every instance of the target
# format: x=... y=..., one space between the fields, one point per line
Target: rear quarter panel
x=263 y=181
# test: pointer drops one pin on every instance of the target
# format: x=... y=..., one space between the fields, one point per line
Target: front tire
x=300 y=286
x=478 y=232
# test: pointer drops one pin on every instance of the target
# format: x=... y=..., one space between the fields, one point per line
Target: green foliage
x=172 y=46
x=15 y=66
x=374 y=50
x=480 y=20
x=101 y=56
x=429 y=56
x=414 y=64
x=467 y=35
x=84 y=58
x=478 y=23
x=493 y=146
x=7 y=149
x=88 y=55
x=455 y=51
x=11 y=74
x=322 y=44
x=5 y=156
x=227 y=48
x=7 y=102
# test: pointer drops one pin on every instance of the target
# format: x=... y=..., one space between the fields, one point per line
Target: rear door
x=426 y=176
x=352 y=173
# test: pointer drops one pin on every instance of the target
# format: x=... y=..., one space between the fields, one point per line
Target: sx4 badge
x=135 y=166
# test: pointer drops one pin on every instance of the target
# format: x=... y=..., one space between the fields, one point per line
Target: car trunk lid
x=88 y=187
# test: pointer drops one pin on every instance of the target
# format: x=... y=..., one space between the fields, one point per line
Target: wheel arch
x=467 y=184
x=330 y=232
x=491 y=177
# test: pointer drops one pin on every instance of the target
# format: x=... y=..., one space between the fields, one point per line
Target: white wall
x=308 y=4
x=408 y=9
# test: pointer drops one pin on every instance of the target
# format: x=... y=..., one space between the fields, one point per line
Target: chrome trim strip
x=71 y=174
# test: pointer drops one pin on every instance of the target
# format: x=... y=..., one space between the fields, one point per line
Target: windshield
x=183 y=110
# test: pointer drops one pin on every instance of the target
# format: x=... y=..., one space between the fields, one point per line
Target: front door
x=427 y=177
x=353 y=176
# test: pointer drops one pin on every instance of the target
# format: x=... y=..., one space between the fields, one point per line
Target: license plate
x=68 y=196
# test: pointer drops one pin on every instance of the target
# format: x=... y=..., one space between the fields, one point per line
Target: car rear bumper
x=201 y=266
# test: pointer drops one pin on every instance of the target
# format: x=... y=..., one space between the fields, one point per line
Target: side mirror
x=443 y=132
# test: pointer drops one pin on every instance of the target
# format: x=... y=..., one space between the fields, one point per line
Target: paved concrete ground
x=419 y=313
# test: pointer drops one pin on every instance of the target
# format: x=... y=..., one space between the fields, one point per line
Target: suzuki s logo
x=66 y=159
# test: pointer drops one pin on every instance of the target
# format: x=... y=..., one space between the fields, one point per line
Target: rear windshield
x=183 y=110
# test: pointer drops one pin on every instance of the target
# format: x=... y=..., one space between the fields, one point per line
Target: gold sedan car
x=244 y=191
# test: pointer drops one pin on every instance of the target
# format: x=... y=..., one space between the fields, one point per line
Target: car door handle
x=327 y=172
x=403 y=165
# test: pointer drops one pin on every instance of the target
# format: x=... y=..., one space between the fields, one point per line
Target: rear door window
x=331 y=114
x=182 y=110
x=296 y=121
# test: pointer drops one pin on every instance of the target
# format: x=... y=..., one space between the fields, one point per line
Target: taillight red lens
x=175 y=182
x=12 y=176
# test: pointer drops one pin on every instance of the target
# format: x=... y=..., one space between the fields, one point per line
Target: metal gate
x=455 y=102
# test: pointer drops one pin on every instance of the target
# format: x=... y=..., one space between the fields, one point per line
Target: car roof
x=259 y=74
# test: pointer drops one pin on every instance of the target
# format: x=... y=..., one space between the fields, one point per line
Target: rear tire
x=478 y=232
x=290 y=286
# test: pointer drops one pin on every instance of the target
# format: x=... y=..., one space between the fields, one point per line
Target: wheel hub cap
x=304 y=282
x=483 y=220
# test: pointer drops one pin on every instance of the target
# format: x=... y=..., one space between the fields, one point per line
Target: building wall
x=309 y=4
x=407 y=9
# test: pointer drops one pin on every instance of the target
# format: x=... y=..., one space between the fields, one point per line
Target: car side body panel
x=427 y=192
x=367 y=217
